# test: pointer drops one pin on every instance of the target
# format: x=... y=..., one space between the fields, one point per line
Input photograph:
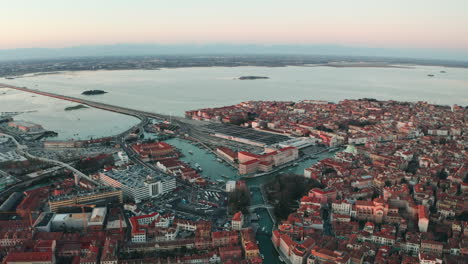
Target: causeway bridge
x=118 y=109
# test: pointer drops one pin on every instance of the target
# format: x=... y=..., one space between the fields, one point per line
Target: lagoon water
x=173 y=91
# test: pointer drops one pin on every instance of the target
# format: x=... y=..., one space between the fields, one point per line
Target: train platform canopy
x=246 y=134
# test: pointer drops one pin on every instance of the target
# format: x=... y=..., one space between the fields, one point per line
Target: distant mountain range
x=225 y=49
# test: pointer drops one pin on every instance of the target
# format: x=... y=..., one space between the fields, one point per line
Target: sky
x=408 y=24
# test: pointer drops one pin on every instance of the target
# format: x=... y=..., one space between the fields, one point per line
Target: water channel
x=214 y=170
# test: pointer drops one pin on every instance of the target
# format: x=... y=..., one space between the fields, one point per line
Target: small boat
x=190 y=152
x=280 y=258
x=224 y=176
x=430 y=75
x=261 y=255
x=442 y=71
x=295 y=164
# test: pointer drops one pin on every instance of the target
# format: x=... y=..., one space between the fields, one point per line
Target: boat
x=442 y=71
x=332 y=149
x=220 y=160
x=261 y=255
x=313 y=157
x=430 y=75
x=224 y=176
x=190 y=152
x=295 y=164
x=280 y=258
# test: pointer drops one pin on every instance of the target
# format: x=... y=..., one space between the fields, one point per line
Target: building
x=26 y=127
x=30 y=258
x=227 y=153
x=109 y=252
x=322 y=255
x=237 y=221
x=152 y=227
x=285 y=155
x=341 y=207
x=374 y=211
x=230 y=186
x=58 y=144
x=324 y=195
x=251 y=163
x=44 y=222
x=138 y=183
x=121 y=158
x=10 y=203
x=154 y=151
x=423 y=218
x=432 y=247
x=96 y=221
x=75 y=221
x=84 y=197
x=248 y=167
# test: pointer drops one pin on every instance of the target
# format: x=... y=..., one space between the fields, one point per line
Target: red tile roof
x=237 y=216
x=28 y=257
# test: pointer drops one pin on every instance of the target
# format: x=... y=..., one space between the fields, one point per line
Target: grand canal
x=215 y=170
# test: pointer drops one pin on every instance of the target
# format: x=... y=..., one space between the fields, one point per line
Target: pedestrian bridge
x=257 y=206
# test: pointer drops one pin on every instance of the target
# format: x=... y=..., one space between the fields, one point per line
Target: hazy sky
x=432 y=24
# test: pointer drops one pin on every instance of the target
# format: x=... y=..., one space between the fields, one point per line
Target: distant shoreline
x=363 y=65
x=331 y=65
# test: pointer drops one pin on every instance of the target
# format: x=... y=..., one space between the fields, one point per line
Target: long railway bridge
x=118 y=109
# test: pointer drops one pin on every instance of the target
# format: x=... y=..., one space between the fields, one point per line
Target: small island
x=93 y=92
x=252 y=77
x=76 y=107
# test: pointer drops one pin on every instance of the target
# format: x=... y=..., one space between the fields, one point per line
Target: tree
x=323 y=128
x=413 y=166
x=442 y=174
x=239 y=200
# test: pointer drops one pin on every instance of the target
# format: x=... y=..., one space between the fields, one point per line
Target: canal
x=212 y=168
x=215 y=170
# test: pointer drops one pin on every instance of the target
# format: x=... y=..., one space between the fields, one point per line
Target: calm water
x=212 y=169
x=49 y=112
x=173 y=91
x=177 y=90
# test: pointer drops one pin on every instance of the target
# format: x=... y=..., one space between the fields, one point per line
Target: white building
x=97 y=217
x=237 y=221
x=341 y=207
x=70 y=221
x=230 y=186
x=138 y=182
x=121 y=158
